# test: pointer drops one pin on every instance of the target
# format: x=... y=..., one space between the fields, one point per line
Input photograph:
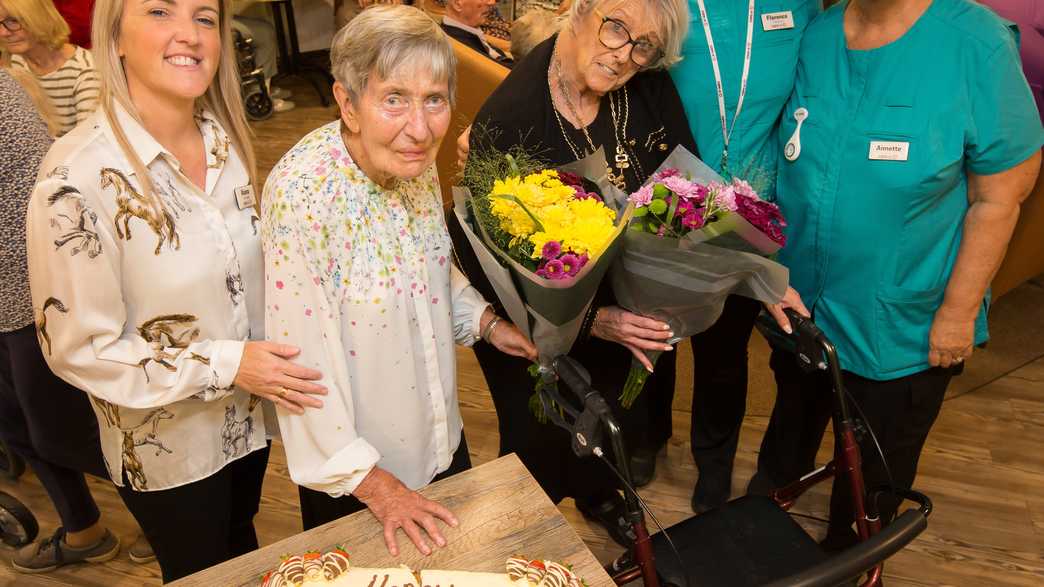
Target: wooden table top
x=502 y=512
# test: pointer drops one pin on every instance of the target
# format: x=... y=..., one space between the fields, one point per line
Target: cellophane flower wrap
x=545 y=239
x=694 y=239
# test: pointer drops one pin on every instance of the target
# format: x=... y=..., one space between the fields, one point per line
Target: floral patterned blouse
x=361 y=278
x=147 y=309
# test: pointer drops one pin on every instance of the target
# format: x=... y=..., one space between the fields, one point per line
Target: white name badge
x=245 y=197
x=777 y=21
x=889 y=151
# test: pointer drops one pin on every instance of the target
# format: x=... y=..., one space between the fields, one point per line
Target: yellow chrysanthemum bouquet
x=544 y=239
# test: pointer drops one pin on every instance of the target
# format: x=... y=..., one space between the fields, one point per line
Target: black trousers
x=545 y=448
x=51 y=425
x=318 y=508
x=719 y=392
x=900 y=411
x=203 y=523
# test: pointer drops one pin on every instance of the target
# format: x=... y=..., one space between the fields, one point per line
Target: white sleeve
x=468 y=306
x=81 y=313
x=324 y=452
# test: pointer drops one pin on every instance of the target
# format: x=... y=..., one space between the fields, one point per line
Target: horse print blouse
x=144 y=307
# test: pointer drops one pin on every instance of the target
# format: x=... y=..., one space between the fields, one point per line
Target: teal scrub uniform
x=753 y=151
x=877 y=197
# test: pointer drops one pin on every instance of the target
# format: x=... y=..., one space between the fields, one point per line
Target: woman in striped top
x=33 y=36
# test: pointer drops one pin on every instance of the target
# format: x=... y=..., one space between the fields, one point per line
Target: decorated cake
x=333 y=568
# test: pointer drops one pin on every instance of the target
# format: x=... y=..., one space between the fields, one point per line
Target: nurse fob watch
x=792 y=150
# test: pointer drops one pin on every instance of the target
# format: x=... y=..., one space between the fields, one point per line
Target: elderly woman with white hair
x=360 y=274
x=600 y=82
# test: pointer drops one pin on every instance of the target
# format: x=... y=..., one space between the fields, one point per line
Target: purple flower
x=551 y=250
x=554 y=270
x=582 y=195
x=571 y=179
x=643 y=196
x=571 y=264
x=692 y=220
x=684 y=207
x=699 y=193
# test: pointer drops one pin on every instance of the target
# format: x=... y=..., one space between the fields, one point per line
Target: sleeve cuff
x=476 y=317
x=225 y=361
x=342 y=473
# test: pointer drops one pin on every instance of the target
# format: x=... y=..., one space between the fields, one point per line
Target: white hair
x=670 y=16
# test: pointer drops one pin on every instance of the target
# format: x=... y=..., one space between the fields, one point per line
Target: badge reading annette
x=777 y=21
x=889 y=151
x=245 y=197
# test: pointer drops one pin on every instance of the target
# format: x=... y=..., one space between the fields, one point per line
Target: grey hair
x=671 y=17
x=382 y=39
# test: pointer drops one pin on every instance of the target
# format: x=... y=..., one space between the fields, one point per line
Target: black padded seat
x=749 y=541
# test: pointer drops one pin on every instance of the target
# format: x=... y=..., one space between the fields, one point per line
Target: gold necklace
x=621 y=158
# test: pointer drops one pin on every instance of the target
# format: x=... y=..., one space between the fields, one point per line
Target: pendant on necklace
x=623 y=161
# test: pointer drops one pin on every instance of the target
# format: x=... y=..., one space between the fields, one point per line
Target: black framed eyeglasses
x=614 y=34
x=11 y=24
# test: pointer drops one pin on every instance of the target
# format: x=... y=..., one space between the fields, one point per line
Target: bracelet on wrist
x=490 y=326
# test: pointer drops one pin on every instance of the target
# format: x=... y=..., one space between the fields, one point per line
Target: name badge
x=889 y=151
x=245 y=197
x=777 y=21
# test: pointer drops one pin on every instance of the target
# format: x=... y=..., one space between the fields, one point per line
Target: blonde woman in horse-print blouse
x=146 y=277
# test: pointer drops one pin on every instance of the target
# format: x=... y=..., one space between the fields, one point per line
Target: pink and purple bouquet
x=673 y=205
x=695 y=239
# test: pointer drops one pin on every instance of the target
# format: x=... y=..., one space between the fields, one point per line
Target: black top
x=474 y=42
x=520 y=111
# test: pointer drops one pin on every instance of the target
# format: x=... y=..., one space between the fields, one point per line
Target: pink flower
x=551 y=250
x=725 y=198
x=669 y=172
x=699 y=193
x=571 y=179
x=643 y=196
x=743 y=188
x=678 y=185
x=580 y=194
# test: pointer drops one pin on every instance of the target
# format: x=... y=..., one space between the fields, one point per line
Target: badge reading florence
x=889 y=150
x=777 y=21
x=245 y=197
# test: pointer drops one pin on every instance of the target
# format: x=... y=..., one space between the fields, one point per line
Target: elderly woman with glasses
x=359 y=272
x=600 y=82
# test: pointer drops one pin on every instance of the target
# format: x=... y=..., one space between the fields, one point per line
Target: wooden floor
x=983 y=465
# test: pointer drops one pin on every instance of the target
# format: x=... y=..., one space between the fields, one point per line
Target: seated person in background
x=33 y=36
x=462 y=21
x=531 y=29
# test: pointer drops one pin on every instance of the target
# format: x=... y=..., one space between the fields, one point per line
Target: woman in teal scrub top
x=909 y=143
x=737 y=135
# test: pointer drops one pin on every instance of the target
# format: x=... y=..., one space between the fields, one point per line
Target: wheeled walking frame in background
x=751 y=540
x=18 y=525
x=256 y=97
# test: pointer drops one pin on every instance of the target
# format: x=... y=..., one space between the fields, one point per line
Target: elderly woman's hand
x=265 y=371
x=951 y=339
x=792 y=300
x=505 y=336
x=397 y=506
x=635 y=332
x=463 y=147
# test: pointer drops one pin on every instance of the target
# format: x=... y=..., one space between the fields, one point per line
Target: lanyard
x=726 y=132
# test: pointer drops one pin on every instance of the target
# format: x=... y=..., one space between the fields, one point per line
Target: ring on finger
x=283 y=392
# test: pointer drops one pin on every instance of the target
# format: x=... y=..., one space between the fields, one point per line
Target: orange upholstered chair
x=477 y=77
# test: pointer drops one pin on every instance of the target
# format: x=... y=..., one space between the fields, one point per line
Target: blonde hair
x=384 y=38
x=670 y=16
x=43 y=104
x=40 y=20
x=223 y=98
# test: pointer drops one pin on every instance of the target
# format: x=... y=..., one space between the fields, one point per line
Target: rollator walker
x=751 y=540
